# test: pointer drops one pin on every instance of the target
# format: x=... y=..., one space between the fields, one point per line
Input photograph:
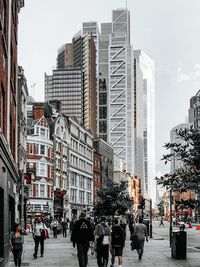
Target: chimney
x=38 y=110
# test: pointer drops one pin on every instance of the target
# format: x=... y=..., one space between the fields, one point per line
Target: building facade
x=80 y=169
x=66 y=85
x=84 y=57
x=40 y=162
x=22 y=139
x=146 y=65
x=107 y=158
x=120 y=89
x=97 y=175
x=9 y=192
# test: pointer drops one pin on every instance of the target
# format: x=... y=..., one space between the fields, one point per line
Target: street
x=60 y=252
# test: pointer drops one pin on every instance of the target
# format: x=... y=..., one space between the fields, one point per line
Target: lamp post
x=150 y=225
x=170 y=216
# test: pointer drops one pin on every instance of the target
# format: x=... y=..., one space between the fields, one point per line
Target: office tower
x=147 y=67
x=120 y=89
x=175 y=163
x=75 y=86
x=66 y=85
x=194 y=111
x=93 y=29
x=84 y=57
x=139 y=123
x=65 y=56
x=102 y=119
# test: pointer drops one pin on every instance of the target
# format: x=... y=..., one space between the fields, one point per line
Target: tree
x=113 y=199
x=161 y=208
x=186 y=177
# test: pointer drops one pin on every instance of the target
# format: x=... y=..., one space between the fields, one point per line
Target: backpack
x=118 y=236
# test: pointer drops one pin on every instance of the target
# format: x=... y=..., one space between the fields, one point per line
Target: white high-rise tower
x=120 y=89
x=148 y=72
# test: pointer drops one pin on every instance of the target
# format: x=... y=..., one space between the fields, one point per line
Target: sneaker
x=35 y=256
x=140 y=256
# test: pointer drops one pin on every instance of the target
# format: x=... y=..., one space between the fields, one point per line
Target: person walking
x=39 y=234
x=102 y=242
x=16 y=243
x=64 y=228
x=81 y=236
x=55 y=228
x=117 y=243
x=161 y=222
x=140 y=231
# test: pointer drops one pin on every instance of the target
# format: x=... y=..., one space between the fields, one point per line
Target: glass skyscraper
x=148 y=74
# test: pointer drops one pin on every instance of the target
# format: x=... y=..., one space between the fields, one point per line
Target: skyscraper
x=148 y=72
x=84 y=57
x=120 y=89
x=66 y=85
x=74 y=80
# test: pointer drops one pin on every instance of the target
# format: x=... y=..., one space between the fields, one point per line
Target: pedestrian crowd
x=103 y=236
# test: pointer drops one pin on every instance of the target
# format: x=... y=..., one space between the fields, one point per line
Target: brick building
x=9 y=195
x=97 y=175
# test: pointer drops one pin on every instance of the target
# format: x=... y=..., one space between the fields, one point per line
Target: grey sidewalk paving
x=59 y=252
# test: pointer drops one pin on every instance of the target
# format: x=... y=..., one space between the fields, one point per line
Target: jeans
x=39 y=239
x=140 y=250
x=102 y=255
x=17 y=253
x=82 y=250
x=55 y=232
x=64 y=232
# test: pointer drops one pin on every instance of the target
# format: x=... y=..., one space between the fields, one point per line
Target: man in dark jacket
x=117 y=242
x=81 y=235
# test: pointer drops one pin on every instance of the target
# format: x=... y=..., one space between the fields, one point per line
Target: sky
x=168 y=31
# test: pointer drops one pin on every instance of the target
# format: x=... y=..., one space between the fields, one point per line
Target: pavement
x=60 y=253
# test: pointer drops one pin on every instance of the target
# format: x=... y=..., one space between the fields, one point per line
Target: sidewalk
x=60 y=253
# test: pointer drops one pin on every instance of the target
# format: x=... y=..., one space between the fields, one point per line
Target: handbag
x=44 y=233
x=134 y=242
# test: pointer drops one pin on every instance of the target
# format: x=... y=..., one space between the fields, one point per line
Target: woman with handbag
x=16 y=243
x=40 y=233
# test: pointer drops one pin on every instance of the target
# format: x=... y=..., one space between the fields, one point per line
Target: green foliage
x=161 y=208
x=185 y=204
x=113 y=199
x=186 y=177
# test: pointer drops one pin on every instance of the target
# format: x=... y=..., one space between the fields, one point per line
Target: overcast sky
x=168 y=31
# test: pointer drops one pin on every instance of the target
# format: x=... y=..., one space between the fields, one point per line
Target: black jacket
x=117 y=236
x=82 y=232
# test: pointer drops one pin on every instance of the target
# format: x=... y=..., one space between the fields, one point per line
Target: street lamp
x=170 y=216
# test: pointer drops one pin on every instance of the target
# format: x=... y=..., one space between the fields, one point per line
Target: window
x=43 y=169
x=81 y=181
x=42 y=150
x=30 y=148
x=37 y=149
x=73 y=195
x=81 y=196
x=89 y=197
x=37 y=130
x=42 y=132
x=42 y=192
x=89 y=184
x=36 y=190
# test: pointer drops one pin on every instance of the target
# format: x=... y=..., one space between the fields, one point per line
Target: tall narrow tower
x=148 y=74
x=120 y=91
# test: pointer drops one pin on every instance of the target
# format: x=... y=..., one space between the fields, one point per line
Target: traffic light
x=143 y=203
